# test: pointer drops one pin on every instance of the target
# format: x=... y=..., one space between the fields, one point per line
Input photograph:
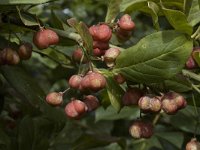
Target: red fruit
x=110 y=56
x=77 y=56
x=193 y=145
x=75 y=109
x=54 y=98
x=97 y=52
x=25 y=51
x=119 y=78
x=93 y=81
x=101 y=32
x=97 y=81
x=140 y=129
x=74 y=81
x=126 y=23
x=172 y=102
x=100 y=45
x=91 y=102
x=191 y=64
x=132 y=96
x=45 y=37
x=15 y=59
x=123 y=35
x=149 y=104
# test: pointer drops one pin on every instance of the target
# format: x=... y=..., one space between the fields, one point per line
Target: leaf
x=185 y=120
x=113 y=10
x=156 y=57
x=187 y=6
x=178 y=83
x=111 y=114
x=178 y=20
x=55 y=21
x=196 y=56
x=194 y=13
x=14 y=2
x=87 y=141
x=141 y=5
x=115 y=93
x=83 y=31
x=23 y=84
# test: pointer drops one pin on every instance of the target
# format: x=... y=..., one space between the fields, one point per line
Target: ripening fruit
x=193 y=145
x=140 y=129
x=91 y=102
x=25 y=51
x=93 y=81
x=77 y=56
x=101 y=32
x=126 y=23
x=110 y=56
x=75 y=109
x=172 y=102
x=44 y=38
x=132 y=96
x=149 y=104
x=15 y=59
x=10 y=57
x=74 y=81
x=119 y=78
x=54 y=98
x=97 y=52
x=191 y=64
x=101 y=45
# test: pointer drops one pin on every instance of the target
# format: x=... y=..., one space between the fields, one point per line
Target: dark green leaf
x=130 y=5
x=113 y=10
x=187 y=6
x=111 y=114
x=14 y=2
x=178 y=20
x=196 y=56
x=55 y=21
x=194 y=13
x=27 y=19
x=156 y=57
x=115 y=93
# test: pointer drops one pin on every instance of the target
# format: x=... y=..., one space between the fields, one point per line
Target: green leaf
x=196 y=56
x=186 y=120
x=83 y=31
x=111 y=114
x=113 y=10
x=194 y=13
x=55 y=21
x=115 y=93
x=156 y=57
x=23 y=84
x=141 y=5
x=178 y=20
x=14 y=2
x=187 y=6
x=27 y=18
x=87 y=141
x=178 y=83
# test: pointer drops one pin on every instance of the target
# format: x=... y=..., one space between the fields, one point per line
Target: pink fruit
x=119 y=78
x=193 y=145
x=140 y=129
x=111 y=54
x=25 y=51
x=91 y=102
x=54 y=98
x=77 y=56
x=100 y=45
x=126 y=23
x=101 y=32
x=132 y=96
x=74 y=81
x=75 y=109
x=44 y=38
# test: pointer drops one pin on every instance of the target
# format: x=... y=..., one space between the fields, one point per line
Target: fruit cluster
x=170 y=103
x=12 y=57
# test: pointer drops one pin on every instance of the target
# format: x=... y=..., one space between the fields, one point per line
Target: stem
x=155 y=120
x=17 y=37
x=195 y=33
x=65 y=91
x=197 y=114
x=191 y=75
